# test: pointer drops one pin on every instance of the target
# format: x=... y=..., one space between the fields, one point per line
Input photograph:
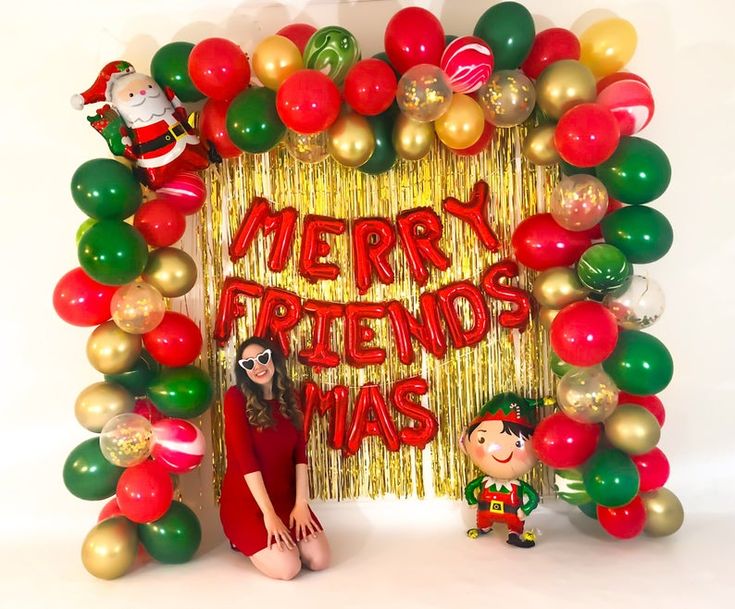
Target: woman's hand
x=277 y=532
x=302 y=520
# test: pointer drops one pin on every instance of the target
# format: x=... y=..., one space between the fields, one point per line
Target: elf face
x=498 y=453
x=139 y=100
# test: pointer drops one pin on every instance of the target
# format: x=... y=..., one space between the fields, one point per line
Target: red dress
x=273 y=451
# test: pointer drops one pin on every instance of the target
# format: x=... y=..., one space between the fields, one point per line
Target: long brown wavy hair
x=257 y=409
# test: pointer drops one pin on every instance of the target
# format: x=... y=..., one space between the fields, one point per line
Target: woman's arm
x=301 y=518
x=274 y=526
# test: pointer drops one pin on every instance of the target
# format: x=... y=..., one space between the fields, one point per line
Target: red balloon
x=219 y=68
x=413 y=36
x=371 y=417
x=631 y=102
x=623 y=522
x=333 y=401
x=464 y=332
x=587 y=135
x=425 y=425
x=280 y=311
x=584 y=333
x=308 y=101
x=110 y=510
x=370 y=87
x=175 y=342
x=603 y=83
x=373 y=240
x=517 y=317
x=320 y=353
x=314 y=247
x=213 y=128
x=595 y=232
x=358 y=335
x=420 y=231
x=145 y=408
x=298 y=33
x=649 y=402
x=653 y=469
x=160 y=223
x=426 y=328
x=145 y=492
x=561 y=442
x=549 y=46
x=487 y=134
x=232 y=306
x=81 y=301
x=540 y=243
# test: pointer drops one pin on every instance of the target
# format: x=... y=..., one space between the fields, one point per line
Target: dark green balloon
x=139 y=377
x=603 y=267
x=558 y=365
x=253 y=123
x=508 y=29
x=173 y=538
x=449 y=38
x=181 y=392
x=570 y=170
x=642 y=233
x=384 y=156
x=589 y=509
x=383 y=56
x=641 y=364
x=170 y=68
x=88 y=475
x=638 y=172
x=611 y=478
x=105 y=189
x=112 y=252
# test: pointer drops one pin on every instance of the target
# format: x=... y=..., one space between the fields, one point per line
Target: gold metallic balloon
x=275 y=59
x=632 y=429
x=412 y=139
x=112 y=351
x=424 y=92
x=137 y=307
x=664 y=512
x=557 y=287
x=110 y=548
x=608 y=45
x=563 y=85
x=99 y=402
x=171 y=271
x=126 y=439
x=539 y=147
x=508 y=98
x=307 y=148
x=546 y=315
x=461 y=125
x=587 y=395
x=350 y=140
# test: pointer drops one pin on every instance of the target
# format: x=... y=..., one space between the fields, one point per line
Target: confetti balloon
x=424 y=93
x=468 y=62
x=177 y=445
x=508 y=98
x=587 y=395
x=137 y=308
x=187 y=192
x=578 y=202
x=333 y=51
x=631 y=103
x=125 y=440
x=636 y=305
x=307 y=148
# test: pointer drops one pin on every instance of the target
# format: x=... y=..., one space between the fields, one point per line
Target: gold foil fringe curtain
x=459 y=383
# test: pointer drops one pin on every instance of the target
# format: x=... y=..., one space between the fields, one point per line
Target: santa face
x=140 y=100
x=502 y=455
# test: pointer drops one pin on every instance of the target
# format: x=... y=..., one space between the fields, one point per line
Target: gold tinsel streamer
x=458 y=384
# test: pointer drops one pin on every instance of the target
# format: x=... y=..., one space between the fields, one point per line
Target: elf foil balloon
x=499 y=443
x=144 y=123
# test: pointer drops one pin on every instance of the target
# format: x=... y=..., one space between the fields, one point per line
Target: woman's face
x=253 y=358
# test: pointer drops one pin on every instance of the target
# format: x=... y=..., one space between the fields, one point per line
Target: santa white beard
x=142 y=110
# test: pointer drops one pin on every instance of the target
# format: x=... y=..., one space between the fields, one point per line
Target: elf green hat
x=510 y=407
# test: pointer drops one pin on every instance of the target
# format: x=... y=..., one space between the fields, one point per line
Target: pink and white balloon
x=468 y=62
x=579 y=202
x=638 y=304
x=177 y=445
x=187 y=192
x=631 y=103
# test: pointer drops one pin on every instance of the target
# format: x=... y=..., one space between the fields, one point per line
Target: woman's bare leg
x=315 y=552
x=277 y=564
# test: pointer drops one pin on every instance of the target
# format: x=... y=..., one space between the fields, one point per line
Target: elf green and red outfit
x=500 y=500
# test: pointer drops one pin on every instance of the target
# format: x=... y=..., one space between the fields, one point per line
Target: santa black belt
x=497 y=507
x=174 y=133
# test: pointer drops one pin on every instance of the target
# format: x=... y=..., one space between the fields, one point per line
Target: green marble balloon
x=603 y=267
x=253 y=123
x=139 y=377
x=183 y=393
x=569 y=487
x=173 y=538
x=106 y=189
x=589 y=509
x=170 y=68
x=642 y=233
x=84 y=227
x=112 y=252
x=88 y=475
x=640 y=364
x=611 y=478
x=384 y=156
x=332 y=50
x=508 y=28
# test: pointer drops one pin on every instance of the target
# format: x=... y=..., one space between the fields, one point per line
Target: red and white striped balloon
x=631 y=102
x=177 y=445
x=187 y=192
x=468 y=62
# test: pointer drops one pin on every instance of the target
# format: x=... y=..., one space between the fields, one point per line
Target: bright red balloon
x=549 y=46
x=160 y=223
x=561 y=442
x=370 y=87
x=81 y=301
x=145 y=408
x=649 y=402
x=213 y=128
x=584 y=333
x=109 y=510
x=487 y=134
x=540 y=243
x=413 y=36
x=631 y=102
x=308 y=101
x=623 y=522
x=587 y=135
x=175 y=342
x=653 y=468
x=145 y=492
x=219 y=68
x=595 y=232
x=298 y=33
x=603 y=83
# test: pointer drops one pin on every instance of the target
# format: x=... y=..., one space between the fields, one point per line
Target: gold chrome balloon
x=664 y=512
x=557 y=287
x=112 y=351
x=587 y=395
x=110 y=548
x=350 y=140
x=563 y=85
x=546 y=315
x=307 y=147
x=508 y=98
x=632 y=429
x=171 y=271
x=539 y=147
x=608 y=45
x=461 y=125
x=412 y=139
x=100 y=402
x=137 y=307
x=275 y=59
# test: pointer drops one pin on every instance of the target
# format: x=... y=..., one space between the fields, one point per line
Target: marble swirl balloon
x=332 y=50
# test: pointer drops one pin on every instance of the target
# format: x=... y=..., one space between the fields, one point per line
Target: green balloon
x=569 y=486
x=253 y=123
x=611 y=478
x=170 y=68
x=641 y=364
x=571 y=170
x=558 y=365
x=139 y=377
x=383 y=56
x=449 y=38
x=112 y=252
x=173 y=538
x=88 y=475
x=384 y=156
x=84 y=227
x=183 y=393
x=638 y=172
x=332 y=50
x=105 y=189
x=508 y=29
x=589 y=509
x=642 y=233
x=603 y=267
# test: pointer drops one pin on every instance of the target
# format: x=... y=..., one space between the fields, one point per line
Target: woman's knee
x=288 y=570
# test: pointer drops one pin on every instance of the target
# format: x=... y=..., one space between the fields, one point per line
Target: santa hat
x=102 y=87
x=509 y=407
